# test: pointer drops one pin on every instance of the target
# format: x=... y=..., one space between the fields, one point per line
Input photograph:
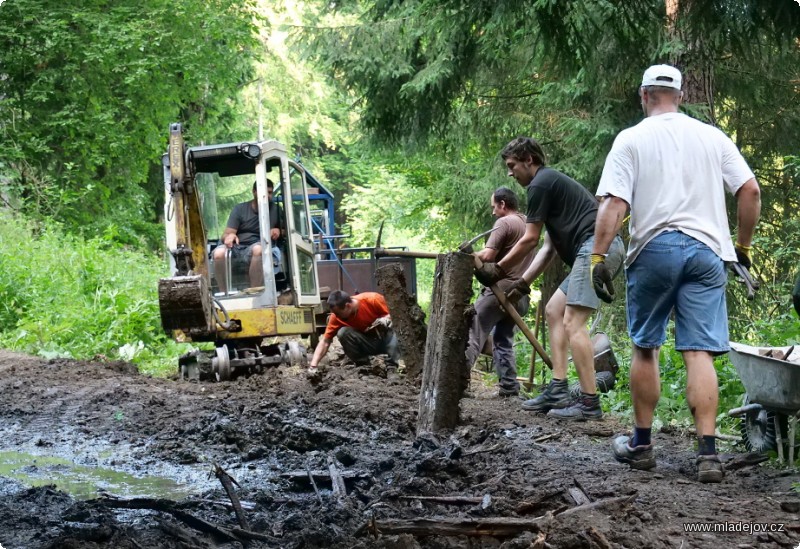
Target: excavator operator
x=243 y=237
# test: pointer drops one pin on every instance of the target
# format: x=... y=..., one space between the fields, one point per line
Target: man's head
x=341 y=304
x=270 y=188
x=504 y=202
x=523 y=156
x=661 y=89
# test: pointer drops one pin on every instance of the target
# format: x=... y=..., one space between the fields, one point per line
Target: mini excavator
x=200 y=182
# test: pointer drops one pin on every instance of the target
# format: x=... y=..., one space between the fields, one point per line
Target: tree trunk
x=408 y=319
x=696 y=67
x=445 y=348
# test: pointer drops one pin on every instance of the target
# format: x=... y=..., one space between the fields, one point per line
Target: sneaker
x=555 y=395
x=640 y=457
x=709 y=468
x=585 y=408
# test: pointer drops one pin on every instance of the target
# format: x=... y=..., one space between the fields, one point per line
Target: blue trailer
x=341 y=267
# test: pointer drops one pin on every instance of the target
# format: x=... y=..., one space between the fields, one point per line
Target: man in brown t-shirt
x=568 y=211
x=508 y=229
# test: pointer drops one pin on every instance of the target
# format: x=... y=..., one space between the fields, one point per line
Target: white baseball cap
x=662 y=75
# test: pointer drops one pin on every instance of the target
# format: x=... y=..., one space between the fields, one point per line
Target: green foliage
x=64 y=296
x=460 y=80
x=88 y=90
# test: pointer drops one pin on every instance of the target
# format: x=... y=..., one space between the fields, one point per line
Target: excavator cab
x=237 y=298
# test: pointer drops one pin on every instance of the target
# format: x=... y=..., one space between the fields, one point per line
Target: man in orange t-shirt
x=363 y=326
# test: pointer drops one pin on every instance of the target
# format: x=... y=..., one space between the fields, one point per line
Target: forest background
x=399 y=107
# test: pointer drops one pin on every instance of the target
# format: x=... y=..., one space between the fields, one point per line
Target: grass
x=66 y=296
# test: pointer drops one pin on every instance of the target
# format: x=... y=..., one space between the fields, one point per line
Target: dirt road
x=505 y=471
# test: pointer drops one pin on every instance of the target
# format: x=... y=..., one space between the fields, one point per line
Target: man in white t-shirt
x=672 y=172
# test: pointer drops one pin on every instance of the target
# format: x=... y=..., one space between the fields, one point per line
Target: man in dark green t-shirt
x=243 y=237
x=568 y=211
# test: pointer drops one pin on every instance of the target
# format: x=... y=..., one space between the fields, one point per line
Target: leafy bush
x=64 y=296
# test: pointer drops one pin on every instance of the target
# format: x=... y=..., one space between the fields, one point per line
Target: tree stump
x=408 y=319
x=445 y=347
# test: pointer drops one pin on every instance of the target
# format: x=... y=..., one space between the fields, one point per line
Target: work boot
x=709 y=468
x=640 y=457
x=604 y=382
x=585 y=408
x=508 y=391
x=555 y=395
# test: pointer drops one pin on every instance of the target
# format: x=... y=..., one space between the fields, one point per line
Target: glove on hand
x=381 y=325
x=743 y=256
x=516 y=291
x=489 y=273
x=601 y=278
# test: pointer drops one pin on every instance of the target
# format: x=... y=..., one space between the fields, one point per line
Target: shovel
x=512 y=312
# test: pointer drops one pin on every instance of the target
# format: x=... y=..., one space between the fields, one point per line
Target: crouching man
x=363 y=326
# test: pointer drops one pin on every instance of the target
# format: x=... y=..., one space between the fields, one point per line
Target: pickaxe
x=511 y=310
x=383 y=252
x=466 y=246
x=744 y=274
x=379 y=251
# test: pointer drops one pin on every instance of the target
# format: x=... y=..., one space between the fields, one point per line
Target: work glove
x=381 y=326
x=601 y=278
x=489 y=273
x=743 y=255
x=517 y=291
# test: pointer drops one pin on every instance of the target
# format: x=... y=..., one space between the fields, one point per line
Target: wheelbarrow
x=771 y=405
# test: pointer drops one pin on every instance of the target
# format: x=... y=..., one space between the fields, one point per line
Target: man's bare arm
x=523 y=246
x=748 y=199
x=544 y=257
x=487 y=254
x=229 y=237
x=320 y=352
x=610 y=216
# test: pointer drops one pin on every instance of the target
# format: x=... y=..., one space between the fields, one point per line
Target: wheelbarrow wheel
x=758 y=429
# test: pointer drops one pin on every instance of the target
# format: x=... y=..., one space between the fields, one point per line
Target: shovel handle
x=383 y=252
x=512 y=312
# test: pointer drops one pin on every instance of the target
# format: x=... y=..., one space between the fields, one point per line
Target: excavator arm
x=184 y=298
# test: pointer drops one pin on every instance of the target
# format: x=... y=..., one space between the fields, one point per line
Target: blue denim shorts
x=677 y=272
x=578 y=285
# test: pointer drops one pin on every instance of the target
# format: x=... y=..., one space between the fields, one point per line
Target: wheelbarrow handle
x=742 y=410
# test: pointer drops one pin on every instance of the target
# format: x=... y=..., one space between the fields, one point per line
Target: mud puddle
x=82 y=482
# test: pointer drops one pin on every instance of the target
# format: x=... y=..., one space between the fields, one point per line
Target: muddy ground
x=503 y=462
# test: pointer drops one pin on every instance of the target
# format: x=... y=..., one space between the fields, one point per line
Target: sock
x=559 y=382
x=707 y=445
x=641 y=437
